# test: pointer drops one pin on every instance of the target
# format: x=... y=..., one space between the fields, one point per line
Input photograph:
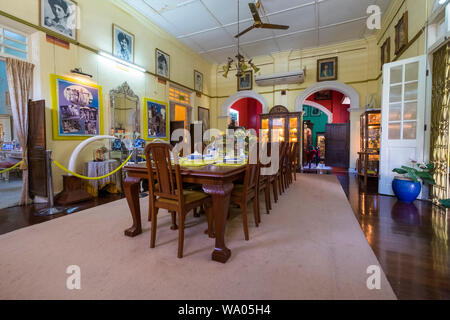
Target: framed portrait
x=401 y=33
x=198 y=81
x=386 y=52
x=203 y=116
x=327 y=69
x=323 y=95
x=59 y=16
x=77 y=109
x=245 y=82
x=315 y=112
x=162 y=64
x=123 y=44
x=156 y=120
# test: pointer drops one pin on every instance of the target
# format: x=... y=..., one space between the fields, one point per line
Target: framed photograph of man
x=59 y=16
x=123 y=44
x=327 y=69
x=386 y=52
x=401 y=33
x=77 y=109
x=156 y=120
x=245 y=82
x=162 y=64
x=198 y=81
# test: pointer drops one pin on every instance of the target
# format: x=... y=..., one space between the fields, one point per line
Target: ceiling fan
x=258 y=23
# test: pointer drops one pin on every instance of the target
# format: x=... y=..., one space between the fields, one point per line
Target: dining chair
x=294 y=160
x=248 y=191
x=264 y=182
x=280 y=175
x=167 y=192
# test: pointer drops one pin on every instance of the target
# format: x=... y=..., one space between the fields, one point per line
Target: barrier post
x=51 y=210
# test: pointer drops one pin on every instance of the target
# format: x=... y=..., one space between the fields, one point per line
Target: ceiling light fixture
x=241 y=64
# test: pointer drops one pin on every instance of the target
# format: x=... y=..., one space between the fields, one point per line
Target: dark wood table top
x=209 y=170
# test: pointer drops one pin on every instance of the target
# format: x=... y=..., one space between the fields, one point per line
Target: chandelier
x=240 y=63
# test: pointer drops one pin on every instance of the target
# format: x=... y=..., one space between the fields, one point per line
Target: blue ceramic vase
x=406 y=190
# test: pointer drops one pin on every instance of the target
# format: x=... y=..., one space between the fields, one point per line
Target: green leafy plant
x=418 y=172
x=445 y=203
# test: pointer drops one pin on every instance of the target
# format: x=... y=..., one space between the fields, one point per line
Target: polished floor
x=411 y=242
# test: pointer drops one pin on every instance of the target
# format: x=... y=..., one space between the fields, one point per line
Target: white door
x=403 y=117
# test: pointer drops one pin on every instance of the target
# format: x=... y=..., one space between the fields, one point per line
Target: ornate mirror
x=125 y=115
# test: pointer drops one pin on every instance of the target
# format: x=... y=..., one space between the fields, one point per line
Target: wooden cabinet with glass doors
x=369 y=156
x=280 y=125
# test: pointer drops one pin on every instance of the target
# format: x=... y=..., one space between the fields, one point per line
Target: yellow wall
x=418 y=12
x=96 y=21
x=358 y=67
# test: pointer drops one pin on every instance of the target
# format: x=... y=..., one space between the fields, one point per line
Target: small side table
x=113 y=183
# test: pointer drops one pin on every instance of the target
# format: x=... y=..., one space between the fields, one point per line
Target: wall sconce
x=78 y=71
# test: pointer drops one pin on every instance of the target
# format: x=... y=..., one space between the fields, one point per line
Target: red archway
x=249 y=110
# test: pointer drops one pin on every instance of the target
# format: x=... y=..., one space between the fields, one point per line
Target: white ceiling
x=209 y=26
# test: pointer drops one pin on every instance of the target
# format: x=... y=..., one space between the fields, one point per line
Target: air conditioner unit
x=281 y=78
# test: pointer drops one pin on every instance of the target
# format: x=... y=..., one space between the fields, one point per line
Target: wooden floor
x=410 y=241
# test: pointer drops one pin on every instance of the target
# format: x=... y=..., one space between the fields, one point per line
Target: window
x=13 y=44
x=180 y=96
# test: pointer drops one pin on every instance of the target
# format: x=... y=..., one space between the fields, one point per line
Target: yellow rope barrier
x=13 y=167
x=90 y=178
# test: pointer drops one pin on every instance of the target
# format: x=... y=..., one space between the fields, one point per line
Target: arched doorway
x=244 y=113
x=353 y=106
x=243 y=94
x=326 y=137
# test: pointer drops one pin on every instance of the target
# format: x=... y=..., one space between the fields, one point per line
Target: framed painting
x=386 y=52
x=401 y=33
x=59 y=16
x=234 y=117
x=198 y=81
x=327 y=69
x=245 y=82
x=156 y=120
x=123 y=44
x=162 y=64
x=323 y=95
x=77 y=108
x=203 y=116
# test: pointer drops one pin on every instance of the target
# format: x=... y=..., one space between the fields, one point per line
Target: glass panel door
x=293 y=129
x=278 y=129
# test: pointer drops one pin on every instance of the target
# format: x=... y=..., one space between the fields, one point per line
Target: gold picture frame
x=327 y=69
x=401 y=34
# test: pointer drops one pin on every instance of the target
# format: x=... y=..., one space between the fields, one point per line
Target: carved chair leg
x=154 y=226
x=181 y=235
x=256 y=211
x=174 y=220
x=244 y=220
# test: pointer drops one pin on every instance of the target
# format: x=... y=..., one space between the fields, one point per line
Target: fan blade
x=273 y=26
x=245 y=31
x=255 y=13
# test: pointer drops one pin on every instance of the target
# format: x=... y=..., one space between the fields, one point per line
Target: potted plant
x=407 y=186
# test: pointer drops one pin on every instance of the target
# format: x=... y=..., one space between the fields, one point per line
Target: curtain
x=20 y=83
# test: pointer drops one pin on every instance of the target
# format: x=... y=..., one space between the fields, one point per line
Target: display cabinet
x=282 y=126
x=369 y=156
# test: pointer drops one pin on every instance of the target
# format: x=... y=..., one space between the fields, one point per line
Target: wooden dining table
x=217 y=181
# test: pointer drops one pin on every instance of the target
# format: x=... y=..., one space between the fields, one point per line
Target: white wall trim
x=321 y=108
x=240 y=95
x=329 y=85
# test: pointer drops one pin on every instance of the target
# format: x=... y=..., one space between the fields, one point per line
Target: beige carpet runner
x=310 y=247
